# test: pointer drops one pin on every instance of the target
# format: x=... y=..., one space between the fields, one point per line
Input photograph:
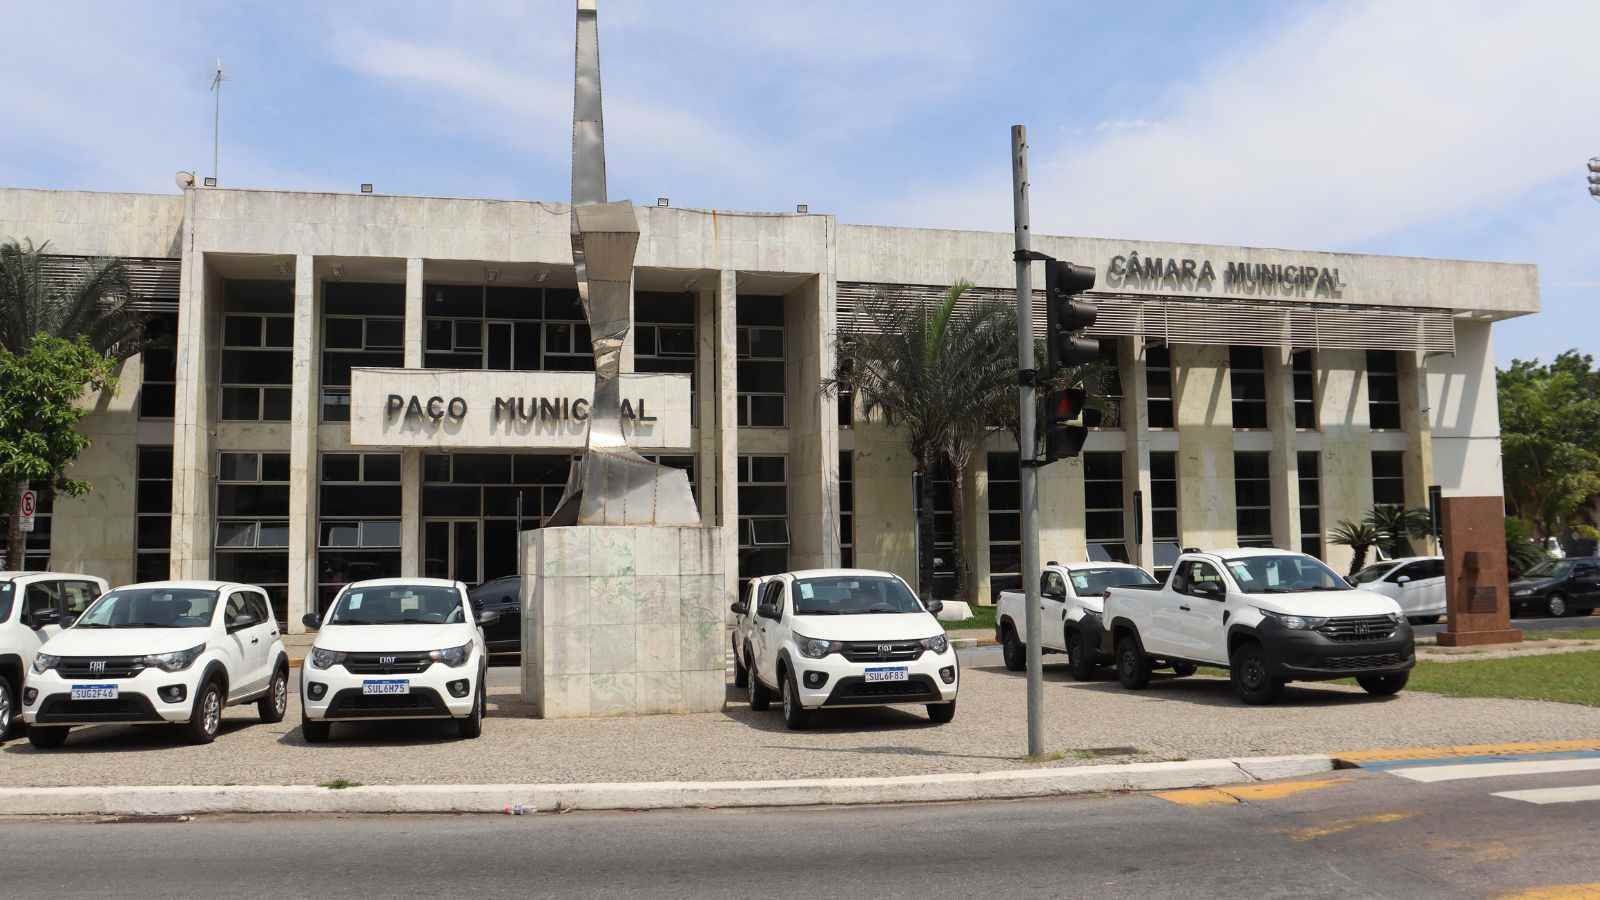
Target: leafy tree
x=1522 y=553
x=39 y=392
x=1550 y=438
x=1359 y=537
x=1395 y=526
x=93 y=310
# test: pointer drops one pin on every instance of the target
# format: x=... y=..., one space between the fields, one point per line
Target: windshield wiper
x=91 y=625
x=818 y=612
x=351 y=622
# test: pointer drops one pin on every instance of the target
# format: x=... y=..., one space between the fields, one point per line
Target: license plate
x=94 y=692
x=393 y=686
x=887 y=673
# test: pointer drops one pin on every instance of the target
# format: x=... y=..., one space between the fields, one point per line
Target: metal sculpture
x=611 y=484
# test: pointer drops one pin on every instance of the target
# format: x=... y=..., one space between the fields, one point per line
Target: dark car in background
x=1558 y=587
x=504 y=596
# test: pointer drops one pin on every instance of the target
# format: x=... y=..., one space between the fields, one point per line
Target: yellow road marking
x=1229 y=796
x=1510 y=749
x=1343 y=825
x=1557 y=892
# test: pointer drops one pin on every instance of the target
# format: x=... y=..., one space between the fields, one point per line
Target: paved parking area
x=1191 y=718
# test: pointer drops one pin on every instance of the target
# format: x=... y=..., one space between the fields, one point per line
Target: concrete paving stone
x=1085 y=723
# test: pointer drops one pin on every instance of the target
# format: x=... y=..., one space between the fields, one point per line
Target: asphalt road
x=1365 y=834
x=1532 y=623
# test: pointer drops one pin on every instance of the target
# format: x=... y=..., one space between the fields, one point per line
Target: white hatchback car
x=1414 y=582
x=33 y=607
x=848 y=637
x=172 y=652
x=396 y=648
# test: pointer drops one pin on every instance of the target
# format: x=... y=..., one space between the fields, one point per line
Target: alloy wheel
x=1557 y=605
x=5 y=713
x=212 y=715
x=788 y=699
x=280 y=693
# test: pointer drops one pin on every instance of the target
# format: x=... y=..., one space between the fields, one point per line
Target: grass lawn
x=982 y=617
x=1576 y=634
x=1562 y=677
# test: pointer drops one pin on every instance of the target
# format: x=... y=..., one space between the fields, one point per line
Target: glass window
x=763 y=515
x=252 y=535
x=159 y=371
x=843 y=595
x=1164 y=510
x=1252 y=492
x=1309 y=464
x=1388 y=478
x=762 y=374
x=151 y=608
x=944 y=529
x=1383 y=389
x=1103 y=507
x=1094 y=582
x=1158 y=384
x=257 y=367
x=153 y=503
x=399 y=604
x=1305 y=389
x=1288 y=574
x=1005 y=523
x=1247 y=373
x=847 y=510
x=1111 y=382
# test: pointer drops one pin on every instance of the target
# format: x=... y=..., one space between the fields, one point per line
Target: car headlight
x=1522 y=592
x=1296 y=623
x=816 y=648
x=325 y=659
x=939 y=643
x=44 y=662
x=454 y=657
x=176 y=661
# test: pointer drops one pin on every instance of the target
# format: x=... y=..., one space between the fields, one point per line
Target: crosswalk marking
x=1496 y=769
x=1544 y=796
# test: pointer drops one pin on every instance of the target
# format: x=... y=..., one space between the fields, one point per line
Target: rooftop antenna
x=216 y=115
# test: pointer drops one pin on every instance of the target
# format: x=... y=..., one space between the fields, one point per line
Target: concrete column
x=304 y=473
x=1346 y=425
x=813 y=428
x=1136 y=449
x=200 y=293
x=885 y=511
x=726 y=426
x=1061 y=501
x=1285 y=463
x=706 y=400
x=1419 y=436
x=975 y=529
x=411 y=460
x=1203 y=410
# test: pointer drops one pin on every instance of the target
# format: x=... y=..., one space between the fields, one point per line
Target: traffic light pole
x=1026 y=378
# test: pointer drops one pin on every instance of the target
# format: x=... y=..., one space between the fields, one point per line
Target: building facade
x=355 y=385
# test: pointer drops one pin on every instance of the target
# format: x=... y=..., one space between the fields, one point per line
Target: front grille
x=858 y=690
x=126 y=708
x=1372 y=661
x=84 y=667
x=882 y=651
x=1359 y=628
x=351 y=703
x=386 y=663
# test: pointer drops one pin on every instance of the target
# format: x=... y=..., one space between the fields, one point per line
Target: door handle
x=255 y=640
x=1184 y=608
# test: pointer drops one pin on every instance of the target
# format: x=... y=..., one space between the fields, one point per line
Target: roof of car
x=420 y=582
x=9 y=575
x=828 y=573
x=1248 y=552
x=1400 y=560
x=186 y=585
x=1091 y=564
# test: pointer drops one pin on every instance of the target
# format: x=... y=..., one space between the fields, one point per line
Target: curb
x=969 y=643
x=498 y=798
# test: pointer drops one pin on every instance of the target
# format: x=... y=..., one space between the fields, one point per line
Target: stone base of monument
x=622 y=621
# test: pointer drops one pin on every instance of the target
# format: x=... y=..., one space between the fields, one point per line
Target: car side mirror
x=935 y=606
x=488 y=616
x=768 y=611
x=740 y=608
x=41 y=618
x=1209 y=589
x=1403 y=579
x=311 y=621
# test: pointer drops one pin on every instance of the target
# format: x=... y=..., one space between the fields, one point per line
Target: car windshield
x=1550 y=568
x=1287 y=574
x=1372 y=573
x=151 y=608
x=851 y=595
x=398 y=604
x=1090 y=582
x=5 y=600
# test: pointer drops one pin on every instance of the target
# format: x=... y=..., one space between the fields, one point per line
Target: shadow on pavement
x=125 y=738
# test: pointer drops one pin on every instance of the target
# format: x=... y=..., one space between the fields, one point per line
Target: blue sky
x=1453 y=129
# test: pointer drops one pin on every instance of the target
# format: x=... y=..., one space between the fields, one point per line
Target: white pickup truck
x=1070 y=598
x=1269 y=616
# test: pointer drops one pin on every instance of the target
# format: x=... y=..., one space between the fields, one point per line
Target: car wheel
x=1184 y=670
x=276 y=702
x=1556 y=606
x=941 y=713
x=47 y=737
x=1254 y=684
x=795 y=715
x=741 y=675
x=1078 y=661
x=314 y=732
x=1383 y=685
x=206 y=720
x=1133 y=667
x=1012 y=650
x=8 y=708
x=760 y=697
x=472 y=726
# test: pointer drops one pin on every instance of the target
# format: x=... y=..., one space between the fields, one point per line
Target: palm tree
x=1396 y=526
x=96 y=305
x=929 y=370
x=1359 y=537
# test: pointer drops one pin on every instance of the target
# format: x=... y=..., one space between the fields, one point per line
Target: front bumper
x=1092 y=634
x=340 y=696
x=1312 y=656
x=836 y=681
x=138 y=699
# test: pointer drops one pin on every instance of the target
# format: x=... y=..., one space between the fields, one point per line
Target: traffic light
x=1062 y=438
x=1066 y=315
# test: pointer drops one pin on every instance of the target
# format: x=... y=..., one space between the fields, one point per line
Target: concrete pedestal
x=1475 y=573
x=622 y=621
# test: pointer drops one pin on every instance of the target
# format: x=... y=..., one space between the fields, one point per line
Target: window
x=362 y=325
x=1383 y=389
x=847 y=510
x=252 y=524
x=1158 y=384
x=1310 y=466
x=1102 y=507
x=505 y=328
x=944 y=529
x=1005 y=523
x=1111 y=382
x=36 y=543
x=257 y=366
x=762 y=374
x=153 y=520
x=1195 y=572
x=358 y=530
x=664 y=337
x=1247 y=372
x=1164 y=511
x=158 y=388
x=41 y=597
x=76 y=597
x=1252 y=497
x=1303 y=363
x=1052 y=585
x=476 y=504
x=763 y=515
x=1388 y=478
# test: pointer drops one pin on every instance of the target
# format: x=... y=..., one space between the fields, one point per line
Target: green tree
x=930 y=370
x=1522 y=553
x=1395 y=526
x=1550 y=438
x=93 y=309
x=1359 y=537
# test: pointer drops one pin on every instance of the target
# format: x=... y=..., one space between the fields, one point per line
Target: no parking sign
x=30 y=503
